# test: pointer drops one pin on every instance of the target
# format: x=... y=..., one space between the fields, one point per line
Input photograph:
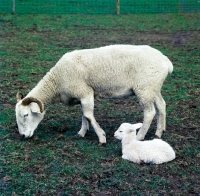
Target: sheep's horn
x=29 y=100
x=19 y=96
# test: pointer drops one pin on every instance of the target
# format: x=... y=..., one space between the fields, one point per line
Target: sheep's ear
x=137 y=126
x=35 y=107
x=19 y=96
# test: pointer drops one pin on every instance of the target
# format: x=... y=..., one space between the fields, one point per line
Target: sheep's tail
x=170 y=67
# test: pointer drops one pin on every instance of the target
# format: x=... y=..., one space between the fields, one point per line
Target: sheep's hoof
x=102 y=141
x=140 y=138
x=101 y=144
x=159 y=133
x=156 y=137
x=80 y=135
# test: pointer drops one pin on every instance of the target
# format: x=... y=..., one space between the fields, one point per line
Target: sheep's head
x=29 y=113
x=126 y=129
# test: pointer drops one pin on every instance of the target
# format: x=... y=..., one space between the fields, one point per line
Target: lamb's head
x=125 y=129
x=29 y=113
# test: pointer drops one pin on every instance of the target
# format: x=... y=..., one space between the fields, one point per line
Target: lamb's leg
x=133 y=157
x=84 y=127
x=149 y=113
x=87 y=104
x=161 y=114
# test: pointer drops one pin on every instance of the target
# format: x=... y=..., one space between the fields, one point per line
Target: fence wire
x=98 y=6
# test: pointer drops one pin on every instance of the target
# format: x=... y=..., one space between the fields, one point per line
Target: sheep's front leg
x=84 y=127
x=161 y=114
x=87 y=104
x=149 y=113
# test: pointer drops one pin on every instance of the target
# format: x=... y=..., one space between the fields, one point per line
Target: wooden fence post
x=13 y=6
x=179 y=6
x=118 y=6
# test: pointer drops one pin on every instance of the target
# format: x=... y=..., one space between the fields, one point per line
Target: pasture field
x=58 y=162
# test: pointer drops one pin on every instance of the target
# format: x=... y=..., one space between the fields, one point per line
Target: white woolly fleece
x=114 y=71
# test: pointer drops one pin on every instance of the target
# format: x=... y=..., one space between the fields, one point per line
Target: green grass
x=99 y=6
x=58 y=162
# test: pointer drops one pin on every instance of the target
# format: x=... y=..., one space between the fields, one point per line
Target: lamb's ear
x=34 y=107
x=19 y=96
x=137 y=126
x=131 y=130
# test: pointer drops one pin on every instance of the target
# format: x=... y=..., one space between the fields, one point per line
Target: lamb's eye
x=120 y=131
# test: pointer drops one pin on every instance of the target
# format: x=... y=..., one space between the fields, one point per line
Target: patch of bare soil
x=101 y=37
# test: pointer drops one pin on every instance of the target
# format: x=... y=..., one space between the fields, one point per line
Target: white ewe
x=112 y=71
x=155 y=151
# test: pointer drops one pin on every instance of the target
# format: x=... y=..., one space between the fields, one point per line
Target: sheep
x=154 y=151
x=114 y=71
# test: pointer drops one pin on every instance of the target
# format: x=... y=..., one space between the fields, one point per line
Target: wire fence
x=98 y=6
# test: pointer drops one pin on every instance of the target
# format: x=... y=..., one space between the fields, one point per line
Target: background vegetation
x=56 y=161
x=99 y=6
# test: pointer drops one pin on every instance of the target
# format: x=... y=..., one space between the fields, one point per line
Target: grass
x=99 y=6
x=58 y=162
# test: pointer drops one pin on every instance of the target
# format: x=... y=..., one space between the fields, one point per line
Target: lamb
x=114 y=71
x=155 y=151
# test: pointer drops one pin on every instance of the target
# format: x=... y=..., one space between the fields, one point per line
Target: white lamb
x=155 y=151
x=114 y=71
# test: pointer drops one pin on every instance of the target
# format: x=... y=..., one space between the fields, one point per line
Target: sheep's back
x=116 y=68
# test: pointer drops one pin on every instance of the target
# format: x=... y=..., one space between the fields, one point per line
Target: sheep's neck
x=48 y=89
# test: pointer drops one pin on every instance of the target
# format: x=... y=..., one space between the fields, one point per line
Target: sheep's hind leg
x=84 y=127
x=87 y=104
x=161 y=114
x=149 y=113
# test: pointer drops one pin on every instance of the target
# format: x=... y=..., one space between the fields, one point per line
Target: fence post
x=118 y=6
x=13 y=6
x=179 y=6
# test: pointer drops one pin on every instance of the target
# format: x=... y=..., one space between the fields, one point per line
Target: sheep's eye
x=25 y=115
x=120 y=131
